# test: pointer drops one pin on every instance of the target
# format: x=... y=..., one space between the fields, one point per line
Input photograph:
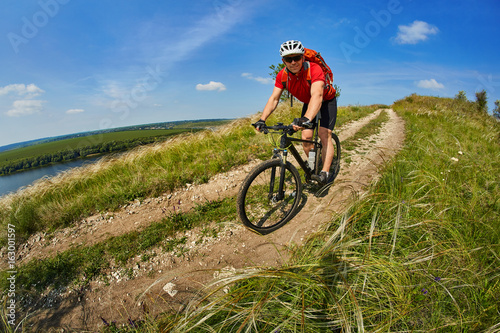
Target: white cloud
x=33 y=90
x=429 y=84
x=259 y=79
x=26 y=105
x=29 y=91
x=12 y=88
x=221 y=17
x=25 y=108
x=75 y=111
x=114 y=90
x=416 y=32
x=219 y=86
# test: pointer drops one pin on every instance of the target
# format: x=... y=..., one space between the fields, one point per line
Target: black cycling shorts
x=327 y=113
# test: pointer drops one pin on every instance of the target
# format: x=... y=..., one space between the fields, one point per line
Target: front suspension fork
x=281 y=185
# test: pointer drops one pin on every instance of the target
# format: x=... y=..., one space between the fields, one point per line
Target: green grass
x=420 y=253
x=79 y=265
x=372 y=128
x=201 y=124
x=351 y=113
x=144 y=172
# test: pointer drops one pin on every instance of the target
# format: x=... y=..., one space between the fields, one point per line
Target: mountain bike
x=271 y=193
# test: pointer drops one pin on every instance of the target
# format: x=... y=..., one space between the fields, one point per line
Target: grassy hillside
x=39 y=155
x=144 y=172
x=419 y=253
x=77 y=143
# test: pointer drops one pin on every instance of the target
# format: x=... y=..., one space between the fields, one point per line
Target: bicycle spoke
x=262 y=206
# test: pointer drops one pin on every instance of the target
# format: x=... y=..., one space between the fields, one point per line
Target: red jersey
x=300 y=88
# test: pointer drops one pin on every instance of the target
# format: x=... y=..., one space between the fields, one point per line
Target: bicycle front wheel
x=262 y=207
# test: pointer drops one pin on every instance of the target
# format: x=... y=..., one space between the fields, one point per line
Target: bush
x=496 y=110
x=461 y=96
x=482 y=101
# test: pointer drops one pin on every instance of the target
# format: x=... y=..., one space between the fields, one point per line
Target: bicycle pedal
x=317 y=178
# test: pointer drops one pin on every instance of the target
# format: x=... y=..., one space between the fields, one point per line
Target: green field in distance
x=81 y=142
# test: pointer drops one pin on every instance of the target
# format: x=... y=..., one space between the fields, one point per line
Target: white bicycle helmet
x=291 y=47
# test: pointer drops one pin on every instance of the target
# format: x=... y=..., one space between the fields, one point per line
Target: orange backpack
x=312 y=56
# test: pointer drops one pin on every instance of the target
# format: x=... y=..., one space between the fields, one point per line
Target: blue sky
x=70 y=65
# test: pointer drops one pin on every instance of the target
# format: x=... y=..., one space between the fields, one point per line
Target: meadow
x=419 y=253
x=144 y=172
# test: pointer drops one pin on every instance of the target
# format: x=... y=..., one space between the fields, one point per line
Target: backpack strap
x=284 y=77
x=307 y=66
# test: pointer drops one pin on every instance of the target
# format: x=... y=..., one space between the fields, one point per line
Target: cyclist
x=316 y=96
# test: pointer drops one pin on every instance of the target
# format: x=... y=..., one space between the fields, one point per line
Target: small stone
x=169 y=289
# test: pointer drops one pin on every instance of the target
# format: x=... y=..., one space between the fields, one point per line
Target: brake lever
x=263 y=129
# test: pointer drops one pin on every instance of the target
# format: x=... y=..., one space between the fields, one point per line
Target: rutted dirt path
x=167 y=280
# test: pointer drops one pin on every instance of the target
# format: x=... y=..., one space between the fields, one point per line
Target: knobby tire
x=335 y=167
x=260 y=207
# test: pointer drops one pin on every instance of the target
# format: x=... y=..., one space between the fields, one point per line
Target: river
x=13 y=182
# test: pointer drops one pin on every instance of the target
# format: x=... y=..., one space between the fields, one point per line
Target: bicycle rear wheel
x=260 y=205
x=335 y=166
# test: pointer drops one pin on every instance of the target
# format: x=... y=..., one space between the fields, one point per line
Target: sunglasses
x=294 y=58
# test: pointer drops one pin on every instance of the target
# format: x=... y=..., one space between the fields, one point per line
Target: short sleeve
x=278 y=83
x=317 y=73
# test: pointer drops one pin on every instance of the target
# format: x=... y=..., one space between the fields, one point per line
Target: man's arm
x=316 y=100
x=271 y=103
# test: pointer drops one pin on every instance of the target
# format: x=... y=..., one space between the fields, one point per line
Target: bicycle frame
x=271 y=193
x=286 y=145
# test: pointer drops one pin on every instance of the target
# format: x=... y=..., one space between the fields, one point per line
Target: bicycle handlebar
x=278 y=127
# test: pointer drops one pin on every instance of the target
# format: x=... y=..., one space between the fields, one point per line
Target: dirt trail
x=167 y=280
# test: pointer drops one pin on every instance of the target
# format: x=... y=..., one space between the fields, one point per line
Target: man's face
x=293 y=62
